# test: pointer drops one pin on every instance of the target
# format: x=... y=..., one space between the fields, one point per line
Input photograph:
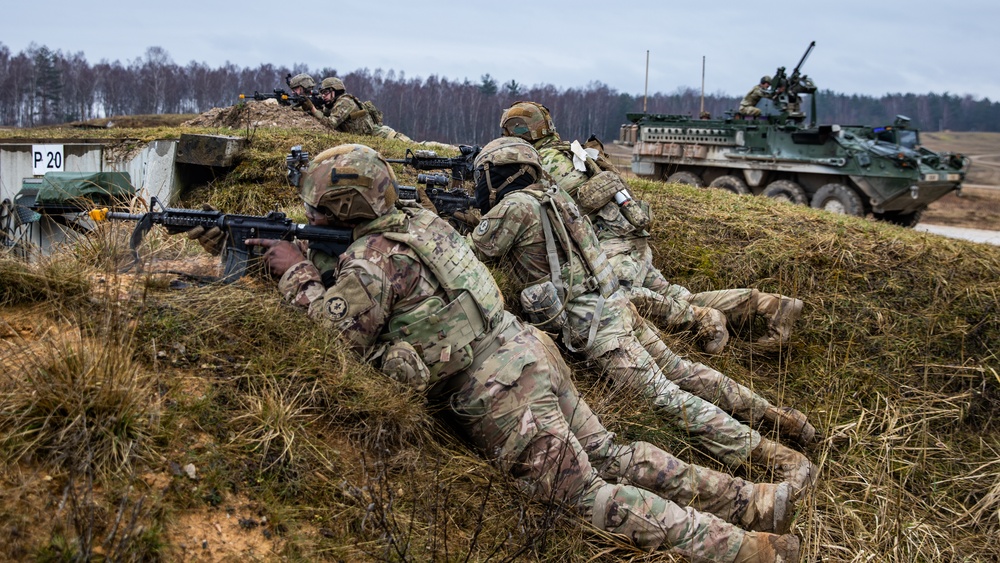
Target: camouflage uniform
x=513 y=231
x=748 y=106
x=348 y=115
x=627 y=248
x=410 y=284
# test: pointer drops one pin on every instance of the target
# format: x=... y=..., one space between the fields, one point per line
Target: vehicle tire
x=731 y=184
x=689 y=178
x=901 y=219
x=838 y=198
x=786 y=190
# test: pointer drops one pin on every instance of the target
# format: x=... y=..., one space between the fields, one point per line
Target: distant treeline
x=43 y=87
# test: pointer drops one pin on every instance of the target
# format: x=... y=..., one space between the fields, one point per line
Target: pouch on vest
x=599 y=190
x=542 y=306
x=374 y=112
x=438 y=331
x=635 y=214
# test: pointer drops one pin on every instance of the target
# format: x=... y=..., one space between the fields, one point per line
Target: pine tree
x=48 y=86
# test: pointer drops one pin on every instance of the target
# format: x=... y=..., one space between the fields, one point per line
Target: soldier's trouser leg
x=651 y=468
x=701 y=380
x=510 y=404
x=632 y=367
x=669 y=313
x=740 y=305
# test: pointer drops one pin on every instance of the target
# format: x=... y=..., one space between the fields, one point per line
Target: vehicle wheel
x=730 y=183
x=838 y=198
x=901 y=219
x=786 y=190
x=689 y=178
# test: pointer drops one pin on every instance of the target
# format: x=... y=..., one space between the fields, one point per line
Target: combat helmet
x=765 y=79
x=332 y=83
x=528 y=120
x=502 y=152
x=303 y=80
x=349 y=182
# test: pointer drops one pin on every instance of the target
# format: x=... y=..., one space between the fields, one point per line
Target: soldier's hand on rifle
x=212 y=240
x=307 y=104
x=280 y=255
x=470 y=216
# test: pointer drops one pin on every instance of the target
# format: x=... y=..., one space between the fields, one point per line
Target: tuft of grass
x=48 y=279
x=78 y=402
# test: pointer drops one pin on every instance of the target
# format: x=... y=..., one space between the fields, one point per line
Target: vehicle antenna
x=645 y=93
x=702 y=112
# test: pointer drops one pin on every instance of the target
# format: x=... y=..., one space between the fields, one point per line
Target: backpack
x=374 y=112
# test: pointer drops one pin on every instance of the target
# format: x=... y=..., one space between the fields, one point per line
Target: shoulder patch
x=337 y=308
x=484 y=226
x=347 y=298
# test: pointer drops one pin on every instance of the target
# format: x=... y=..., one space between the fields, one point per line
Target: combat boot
x=789 y=465
x=710 y=329
x=791 y=423
x=761 y=547
x=781 y=313
x=770 y=509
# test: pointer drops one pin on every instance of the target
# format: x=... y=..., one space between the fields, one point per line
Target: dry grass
x=895 y=359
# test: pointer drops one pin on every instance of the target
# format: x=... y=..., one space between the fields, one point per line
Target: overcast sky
x=862 y=46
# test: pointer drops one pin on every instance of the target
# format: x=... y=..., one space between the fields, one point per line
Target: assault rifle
x=237 y=228
x=294 y=161
x=284 y=98
x=446 y=201
x=461 y=166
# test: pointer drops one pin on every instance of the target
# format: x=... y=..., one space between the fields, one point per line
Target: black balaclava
x=498 y=175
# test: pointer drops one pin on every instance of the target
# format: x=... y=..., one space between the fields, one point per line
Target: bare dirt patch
x=975 y=208
x=254 y=114
x=237 y=532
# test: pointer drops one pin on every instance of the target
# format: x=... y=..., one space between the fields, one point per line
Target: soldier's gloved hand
x=280 y=256
x=212 y=240
x=470 y=216
x=307 y=105
x=710 y=329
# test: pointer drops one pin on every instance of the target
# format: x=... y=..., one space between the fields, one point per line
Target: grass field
x=146 y=418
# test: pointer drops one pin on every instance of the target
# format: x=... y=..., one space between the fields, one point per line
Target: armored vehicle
x=853 y=169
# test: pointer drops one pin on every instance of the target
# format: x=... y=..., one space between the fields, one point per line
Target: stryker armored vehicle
x=853 y=169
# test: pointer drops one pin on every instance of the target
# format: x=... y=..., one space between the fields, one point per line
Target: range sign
x=46 y=158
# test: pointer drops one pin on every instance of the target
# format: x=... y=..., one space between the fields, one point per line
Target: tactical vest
x=608 y=219
x=560 y=213
x=437 y=329
x=358 y=122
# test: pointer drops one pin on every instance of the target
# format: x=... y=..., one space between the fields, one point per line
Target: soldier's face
x=327 y=94
x=316 y=217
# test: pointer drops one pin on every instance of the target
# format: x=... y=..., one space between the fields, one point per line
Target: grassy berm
x=144 y=417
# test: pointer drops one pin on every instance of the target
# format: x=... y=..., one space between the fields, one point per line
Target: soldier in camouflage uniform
x=748 y=105
x=620 y=222
x=410 y=296
x=537 y=232
x=347 y=114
